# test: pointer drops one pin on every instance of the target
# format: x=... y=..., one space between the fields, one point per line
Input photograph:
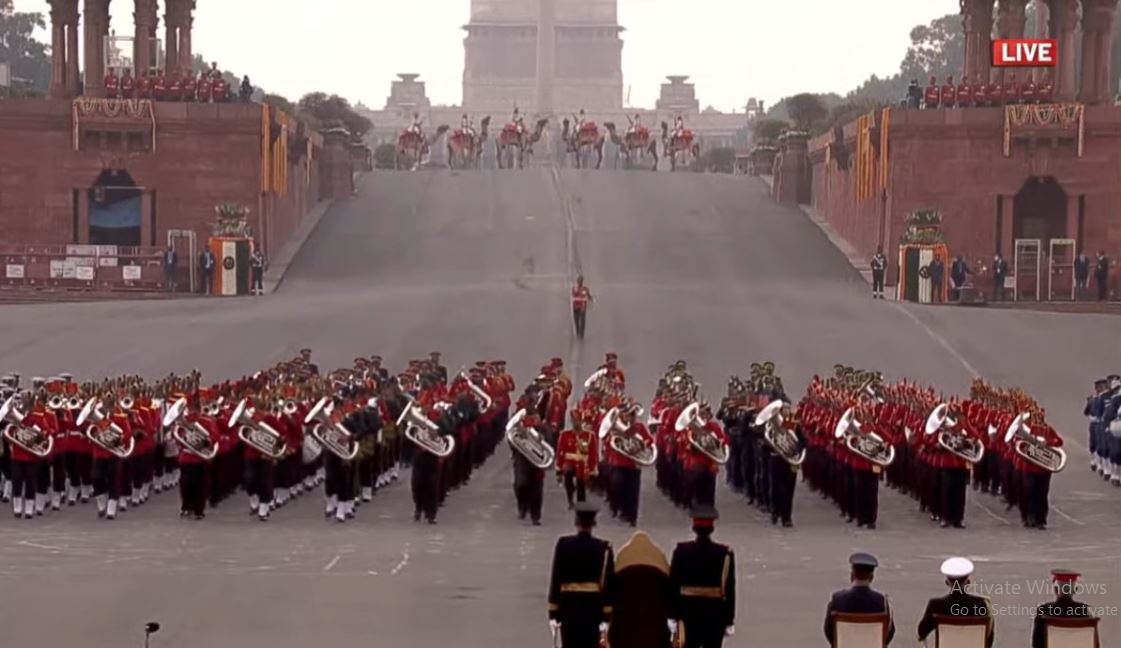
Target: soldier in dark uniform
x=860 y=598
x=1063 y=607
x=959 y=602
x=783 y=476
x=582 y=583
x=879 y=269
x=440 y=370
x=703 y=577
x=305 y=357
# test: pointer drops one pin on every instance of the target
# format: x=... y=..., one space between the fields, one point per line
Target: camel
x=511 y=139
x=466 y=149
x=683 y=147
x=583 y=141
x=633 y=145
x=413 y=148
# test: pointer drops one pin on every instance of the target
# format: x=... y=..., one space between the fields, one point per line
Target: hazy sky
x=733 y=49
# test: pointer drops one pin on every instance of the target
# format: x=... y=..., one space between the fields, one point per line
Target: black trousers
x=580 y=317
x=106 y=477
x=703 y=635
x=1037 y=488
x=877 y=289
x=425 y=485
x=629 y=482
x=258 y=275
x=579 y=635
x=702 y=487
x=1103 y=286
x=867 y=495
x=783 y=481
x=260 y=479
x=572 y=485
x=340 y=482
x=25 y=477
x=192 y=488
x=953 y=487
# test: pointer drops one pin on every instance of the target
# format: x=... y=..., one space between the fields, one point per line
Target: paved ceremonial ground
x=704 y=268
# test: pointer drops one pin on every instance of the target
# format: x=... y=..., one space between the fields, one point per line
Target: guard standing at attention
x=1063 y=607
x=879 y=269
x=581 y=296
x=860 y=598
x=703 y=575
x=958 y=602
x=582 y=583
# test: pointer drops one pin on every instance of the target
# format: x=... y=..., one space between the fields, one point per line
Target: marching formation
x=287 y=430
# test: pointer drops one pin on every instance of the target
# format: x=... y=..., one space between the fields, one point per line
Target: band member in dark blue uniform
x=582 y=583
x=703 y=575
x=860 y=598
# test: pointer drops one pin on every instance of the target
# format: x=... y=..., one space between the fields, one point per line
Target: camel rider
x=636 y=124
x=678 y=126
x=580 y=119
x=416 y=125
x=518 y=122
x=466 y=126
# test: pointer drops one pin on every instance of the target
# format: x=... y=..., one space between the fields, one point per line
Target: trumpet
x=870 y=446
x=1032 y=448
x=959 y=444
x=700 y=437
x=330 y=434
x=259 y=435
x=783 y=441
x=529 y=442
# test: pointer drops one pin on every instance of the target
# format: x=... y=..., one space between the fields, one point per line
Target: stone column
x=71 y=26
x=185 y=54
x=978 y=24
x=58 y=49
x=1064 y=21
x=96 y=26
x=1041 y=31
x=171 y=42
x=142 y=44
x=1097 y=44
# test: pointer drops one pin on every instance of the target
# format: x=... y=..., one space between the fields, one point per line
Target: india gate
x=543 y=56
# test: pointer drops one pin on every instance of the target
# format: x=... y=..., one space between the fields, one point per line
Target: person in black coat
x=937 y=279
x=860 y=598
x=1101 y=275
x=703 y=578
x=1063 y=607
x=582 y=583
x=959 y=602
x=959 y=269
x=1081 y=273
x=1000 y=272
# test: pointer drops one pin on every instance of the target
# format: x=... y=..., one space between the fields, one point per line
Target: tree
x=768 y=130
x=29 y=59
x=333 y=110
x=279 y=102
x=720 y=160
x=385 y=156
x=807 y=111
x=937 y=49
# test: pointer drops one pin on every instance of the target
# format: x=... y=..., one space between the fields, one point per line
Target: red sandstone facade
x=1037 y=182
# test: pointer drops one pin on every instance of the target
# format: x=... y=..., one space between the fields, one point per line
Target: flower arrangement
x=924 y=227
x=233 y=220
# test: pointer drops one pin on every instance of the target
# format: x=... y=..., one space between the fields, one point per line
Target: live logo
x=1025 y=52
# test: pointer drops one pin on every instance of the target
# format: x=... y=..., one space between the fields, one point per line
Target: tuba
x=261 y=436
x=783 y=441
x=700 y=437
x=870 y=446
x=1032 y=448
x=631 y=446
x=111 y=438
x=529 y=442
x=330 y=434
x=32 y=439
x=192 y=437
x=424 y=432
x=958 y=444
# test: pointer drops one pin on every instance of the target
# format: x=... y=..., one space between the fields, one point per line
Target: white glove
x=729 y=631
x=672 y=626
x=603 y=627
x=554 y=626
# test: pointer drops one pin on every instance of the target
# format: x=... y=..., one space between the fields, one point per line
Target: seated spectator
x=948 y=98
x=932 y=94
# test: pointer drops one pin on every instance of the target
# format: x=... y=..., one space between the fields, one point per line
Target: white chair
x=852 y=630
x=1079 y=632
x=960 y=631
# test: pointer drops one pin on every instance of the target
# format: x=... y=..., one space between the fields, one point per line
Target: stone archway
x=115 y=210
x=1040 y=211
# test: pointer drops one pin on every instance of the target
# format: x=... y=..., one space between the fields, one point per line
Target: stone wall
x=205 y=154
x=953 y=161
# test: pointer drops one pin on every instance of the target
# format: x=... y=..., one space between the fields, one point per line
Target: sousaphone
x=783 y=441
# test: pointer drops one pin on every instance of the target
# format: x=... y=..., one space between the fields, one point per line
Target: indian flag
x=231 y=276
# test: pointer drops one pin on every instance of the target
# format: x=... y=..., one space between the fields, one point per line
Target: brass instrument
x=260 y=435
x=424 y=432
x=32 y=439
x=700 y=437
x=332 y=435
x=56 y=402
x=192 y=437
x=783 y=441
x=595 y=378
x=632 y=446
x=958 y=444
x=529 y=442
x=481 y=397
x=111 y=438
x=870 y=445
x=1032 y=448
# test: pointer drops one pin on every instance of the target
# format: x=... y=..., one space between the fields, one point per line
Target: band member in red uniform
x=128 y=84
x=965 y=93
x=260 y=468
x=949 y=93
x=1036 y=484
x=577 y=458
x=1011 y=89
x=700 y=469
x=203 y=89
x=953 y=473
x=174 y=86
x=25 y=467
x=581 y=297
x=627 y=473
x=980 y=92
x=107 y=487
x=1027 y=91
x=529 y=480
x=112 y=85
x=189 y=86
x=994 y=93
x=220 y=90
x=159 y=86
x=144 y=86
x=932 y=94
x=193 y=482
x=1046 y=90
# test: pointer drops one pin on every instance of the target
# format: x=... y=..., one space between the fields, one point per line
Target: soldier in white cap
x=958 y=602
